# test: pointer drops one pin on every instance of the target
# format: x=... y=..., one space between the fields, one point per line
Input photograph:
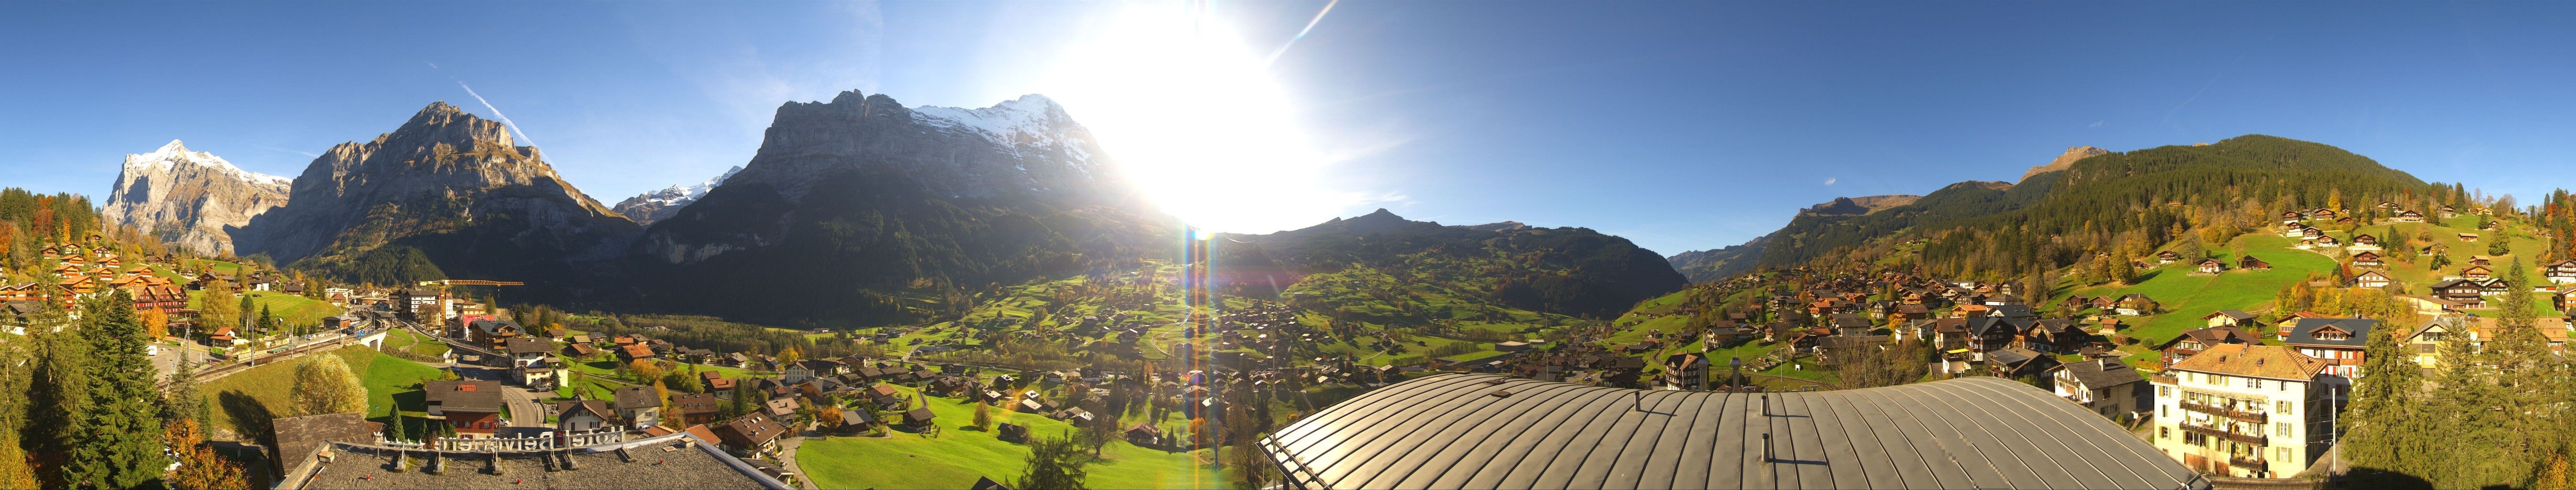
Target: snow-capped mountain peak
x=175 y=153
x=656 y=205
x=1030 y=123
x=191 y=197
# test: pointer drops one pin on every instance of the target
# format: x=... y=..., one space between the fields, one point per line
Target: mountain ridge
x=445 y=183
x=191 y=198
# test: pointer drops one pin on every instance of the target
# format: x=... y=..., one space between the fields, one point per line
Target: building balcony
x=2248 y=439
x=2253 y=417
x=2247 y=462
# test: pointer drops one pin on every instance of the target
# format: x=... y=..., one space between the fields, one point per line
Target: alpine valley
x=854 y=212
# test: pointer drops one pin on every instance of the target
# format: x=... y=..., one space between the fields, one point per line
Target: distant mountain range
x=854 y=211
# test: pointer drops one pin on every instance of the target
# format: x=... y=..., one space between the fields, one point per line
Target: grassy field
x=404 y=340
x=958 y=456
x=293 y=310
x=249 y=398
x=2186 y=297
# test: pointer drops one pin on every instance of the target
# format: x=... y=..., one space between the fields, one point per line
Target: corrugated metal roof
x=1452 y=431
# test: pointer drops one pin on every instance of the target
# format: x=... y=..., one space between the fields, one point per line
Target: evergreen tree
x=394 y=427
x=119 y=442
x=2384 y=421
x=16 y=372
x=182 y=400
x=1054 y=462
x=244 y=320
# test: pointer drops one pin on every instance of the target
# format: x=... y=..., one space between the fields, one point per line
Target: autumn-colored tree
x=983 y=415
x=645 y=370
x=670 y=408
x=324 y=384
x=199 y=466
x=155 y=323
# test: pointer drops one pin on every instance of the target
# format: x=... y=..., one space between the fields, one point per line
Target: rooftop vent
x=1501 y=393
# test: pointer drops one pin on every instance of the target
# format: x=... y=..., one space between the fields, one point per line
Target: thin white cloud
x=496 y=114
x=272 y=148
x=432 y=66
x=1831 y=180
x=2096 y=124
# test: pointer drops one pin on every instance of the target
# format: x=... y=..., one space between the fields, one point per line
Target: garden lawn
x=959 y=456
x=263 y=392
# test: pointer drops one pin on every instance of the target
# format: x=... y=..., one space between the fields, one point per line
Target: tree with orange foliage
x=199 y=466
x=155 y=323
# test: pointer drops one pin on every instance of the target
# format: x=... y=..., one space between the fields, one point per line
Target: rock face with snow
x=191 y=197
x=1025 y=148
x=861 y=199
x=653 y=206
x=449 y=185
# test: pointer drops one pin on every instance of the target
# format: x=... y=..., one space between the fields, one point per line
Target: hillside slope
x=1569 y=271
x=2144 y=190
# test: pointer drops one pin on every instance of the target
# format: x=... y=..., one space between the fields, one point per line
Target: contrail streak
x=305 y=153
x=1301 y=33
x=496 y=113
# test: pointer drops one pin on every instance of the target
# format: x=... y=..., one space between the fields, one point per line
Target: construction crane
x=470 y=282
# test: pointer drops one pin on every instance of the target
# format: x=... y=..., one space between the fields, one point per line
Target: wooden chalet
x=2248 y=262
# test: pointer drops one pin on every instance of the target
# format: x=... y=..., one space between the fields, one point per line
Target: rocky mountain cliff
x=191 y=198
x=447 y=188
x=860 y=199
x=653 y=206
x=2065 y=160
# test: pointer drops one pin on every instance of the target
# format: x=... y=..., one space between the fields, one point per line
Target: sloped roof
x=2102 y=373
x=1459 y=431
x=2303 y=332
x=2254 y=361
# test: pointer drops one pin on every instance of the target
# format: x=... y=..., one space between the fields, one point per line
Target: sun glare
x=1190 y=110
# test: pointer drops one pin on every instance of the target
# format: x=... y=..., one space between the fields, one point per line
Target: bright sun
x=1197 y=120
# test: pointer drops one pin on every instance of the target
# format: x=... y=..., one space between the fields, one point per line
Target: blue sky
x=1679 y=125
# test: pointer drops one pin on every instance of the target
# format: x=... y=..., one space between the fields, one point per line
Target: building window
x=2283 y=407
x=2253 y=383
x=2282 y=453
x=2164 y=432
x=2282 y=428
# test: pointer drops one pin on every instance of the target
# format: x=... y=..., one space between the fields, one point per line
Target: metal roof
x=1462 y=431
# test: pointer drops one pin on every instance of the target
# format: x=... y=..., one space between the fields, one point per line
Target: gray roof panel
x=1448 y=431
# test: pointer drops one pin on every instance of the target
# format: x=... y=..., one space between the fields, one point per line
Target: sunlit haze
x=1187 y=106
